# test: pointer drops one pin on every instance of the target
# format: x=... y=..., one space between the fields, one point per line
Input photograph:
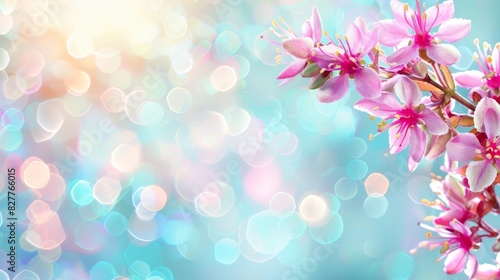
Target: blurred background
x=151 y=141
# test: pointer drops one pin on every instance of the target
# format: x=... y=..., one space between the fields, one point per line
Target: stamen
x=397 y=116
x=476 y=41
x=429 y=218
x=478 y=151
x=372 y=117
x=370 y=137
x=428 y=234
x=375 y=108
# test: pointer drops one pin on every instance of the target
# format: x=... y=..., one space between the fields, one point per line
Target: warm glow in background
x=151 y=141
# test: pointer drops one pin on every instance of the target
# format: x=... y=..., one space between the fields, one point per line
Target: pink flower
x=347 y=59
x=485 y=271
x=456 y=247
x=489 y=64
x=393 y=32
x=464 y=147
x=297 y=47
x=408 y=118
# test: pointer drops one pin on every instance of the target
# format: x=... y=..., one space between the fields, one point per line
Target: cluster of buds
x=412 y=89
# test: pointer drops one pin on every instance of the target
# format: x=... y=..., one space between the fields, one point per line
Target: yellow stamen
x=372 y=118
x=376 y=108
x=486 y=45
x=406 y=7
x=353 y=59
x=489 y=58
x=433 y=246
x=281 y=19
x=397 y=116
x=413 y=251
x=346 y=38
x=478 y=151
x=488 y=156
x=370 y=137
x=475 y=57
x=429 y=218
x=476 y=41
x=313 y=53
x=398 y=135
x=325 y=32
x=275 y=23
x=428 y=234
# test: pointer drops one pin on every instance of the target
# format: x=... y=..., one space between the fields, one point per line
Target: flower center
x=493 y=82
x=492 y=151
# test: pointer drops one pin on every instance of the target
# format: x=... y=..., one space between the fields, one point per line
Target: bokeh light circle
x=226 y=251
x=375 y=207
x=346 y=188
x=223 y=78
x=376 y=184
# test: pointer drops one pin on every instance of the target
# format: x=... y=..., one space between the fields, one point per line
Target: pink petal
x=398 y=143
x=357 y=33
x=285 y=81
x=484 y=271
x=469 y=79
x=408 y=92
x=403 y=55
x=436 y=146
x=463 y=147
x=317 y=31
x=446 y=11
x=367 y=82
x=472 y=267
x=491 y=123
x=293 y=69
x=433 y=122
x=399 y=12
x=334 y=89
x=298 y=47
x=484 y=104
x=383 y=106
x=307 y=29
x=417 y=147
x=444 y=54
x=392 y=32
x=455 y=261
x=495 y=54
x=481 y=174
x=453 y=30
x=461 y=228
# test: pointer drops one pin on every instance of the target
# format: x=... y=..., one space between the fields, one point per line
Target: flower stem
x=463 y=101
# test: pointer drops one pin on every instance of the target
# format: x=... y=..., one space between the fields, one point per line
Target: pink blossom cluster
x=414 y=93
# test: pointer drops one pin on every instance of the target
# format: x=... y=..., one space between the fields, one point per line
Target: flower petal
x=453 y=30
x=317 y=31
x=367 y=82
x=334 y=89
x=469 y=79
x=437 y=16
x=472 y=266
x=463 y=147
x=436 y=146
x=383 y=106
x=433 y=122
x=408 y=92
x=417 y=147
x=307 y=29
x=398 y=139
x=455 y=261
x=484 y=271
x=479 y=114
x=392 y=32
x=444 y=54
x=398 y=10
x=492 y=123
x=403 y=55
x=298 y=47
x=480 y=174
x=293 y=69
